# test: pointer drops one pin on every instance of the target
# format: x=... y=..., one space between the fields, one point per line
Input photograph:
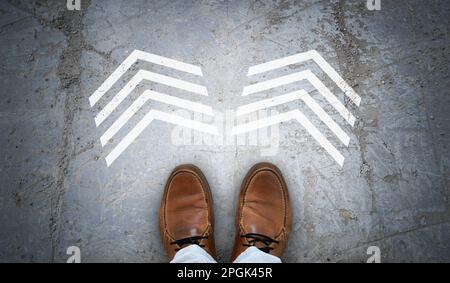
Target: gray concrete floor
x=56 y=190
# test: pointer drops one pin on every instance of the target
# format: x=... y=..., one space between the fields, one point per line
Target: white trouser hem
x=195 y=254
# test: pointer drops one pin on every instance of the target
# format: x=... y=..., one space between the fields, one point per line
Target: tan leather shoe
x=264 y=213
x=186 y=212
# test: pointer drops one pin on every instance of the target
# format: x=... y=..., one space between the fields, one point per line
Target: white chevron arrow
x=305 y=56
x=131 y=60
x=303 y=96
x=150 y=117
x=293 y=96
x=146 y=96
x=311 y=78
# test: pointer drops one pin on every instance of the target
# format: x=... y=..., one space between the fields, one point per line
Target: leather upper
x=186 y=210
x=264 y=208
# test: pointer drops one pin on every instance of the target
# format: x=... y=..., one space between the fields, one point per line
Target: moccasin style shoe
x=186 y=212
x=264 y=213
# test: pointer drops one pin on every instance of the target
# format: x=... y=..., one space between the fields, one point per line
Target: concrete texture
x=56 y=190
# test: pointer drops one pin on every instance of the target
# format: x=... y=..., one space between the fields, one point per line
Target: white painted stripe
x=279 y=63
x=331 y=98
x=319 y=60
x=133 y=58
x=326 y=119
x=323 y=141
x=271 y=102
x=304 y=75
x=136 y=80
x=309 y=101
x=149 y=117
x=152 y=95
x=273 y=83
x=301 y=118
x=262 y=123
x=167 y=62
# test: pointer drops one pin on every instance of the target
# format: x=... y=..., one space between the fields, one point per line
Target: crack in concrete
x=348 y=51
x=69 y=72
x=70 y=23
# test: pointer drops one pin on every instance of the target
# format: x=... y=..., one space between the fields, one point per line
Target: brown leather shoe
x=264 y=213
x=186 y=212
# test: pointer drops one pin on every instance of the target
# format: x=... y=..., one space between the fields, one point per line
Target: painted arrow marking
x=302 y=95
x=146 y=96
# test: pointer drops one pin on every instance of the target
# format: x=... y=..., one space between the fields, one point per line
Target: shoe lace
x=195 y=240
x=255 y=238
